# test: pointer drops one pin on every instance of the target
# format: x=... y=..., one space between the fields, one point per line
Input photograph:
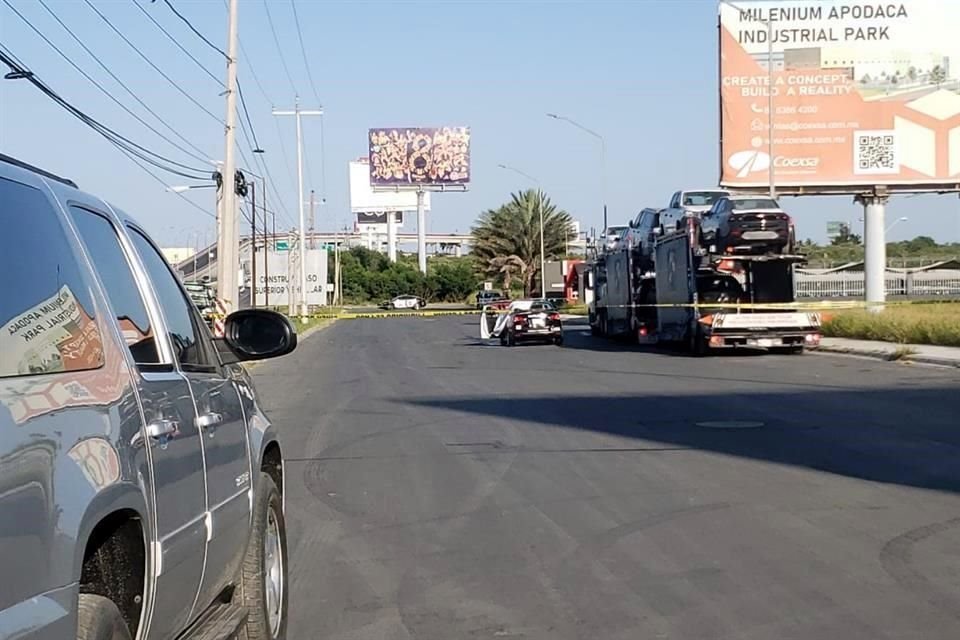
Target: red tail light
x=554 y=316
x=726 y=265
x=520 y=320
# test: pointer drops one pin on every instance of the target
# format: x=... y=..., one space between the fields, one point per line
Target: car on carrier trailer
x=699 y=298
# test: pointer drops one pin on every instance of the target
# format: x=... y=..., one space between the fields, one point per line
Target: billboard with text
x=864 y=94
x=419 y=156
x=364 y=198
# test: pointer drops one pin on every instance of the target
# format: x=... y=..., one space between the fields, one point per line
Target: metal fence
x=850 y=284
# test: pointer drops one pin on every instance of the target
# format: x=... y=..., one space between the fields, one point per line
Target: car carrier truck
x=698 y=298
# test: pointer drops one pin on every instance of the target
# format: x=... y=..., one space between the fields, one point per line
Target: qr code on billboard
x=875 y=152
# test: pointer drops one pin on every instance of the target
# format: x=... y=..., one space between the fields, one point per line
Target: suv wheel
x=98 y=618
x=263 y=583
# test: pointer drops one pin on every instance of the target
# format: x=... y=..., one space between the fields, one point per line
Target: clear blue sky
x=642 y=73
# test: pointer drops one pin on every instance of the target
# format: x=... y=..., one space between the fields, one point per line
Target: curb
x=885 y=356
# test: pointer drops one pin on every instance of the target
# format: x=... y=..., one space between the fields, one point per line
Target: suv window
x=46 y=312
x=182 y=324
x=103 y=245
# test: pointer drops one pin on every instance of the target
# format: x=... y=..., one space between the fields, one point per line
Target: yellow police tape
x=826 y=305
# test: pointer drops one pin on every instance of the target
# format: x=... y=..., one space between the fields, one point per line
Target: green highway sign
x=282 y=245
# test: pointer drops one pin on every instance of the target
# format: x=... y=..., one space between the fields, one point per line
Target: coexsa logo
x=752 y=161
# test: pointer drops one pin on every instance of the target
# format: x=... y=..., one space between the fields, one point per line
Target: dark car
x=747 y=224
x=644 y=231
x=485 y=298
x=538 y=323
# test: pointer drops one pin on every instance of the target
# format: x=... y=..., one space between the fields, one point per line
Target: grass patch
x=934 y=323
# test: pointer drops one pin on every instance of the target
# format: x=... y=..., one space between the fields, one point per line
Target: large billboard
x=864 y=94
x=363 y=198
x=419 y=156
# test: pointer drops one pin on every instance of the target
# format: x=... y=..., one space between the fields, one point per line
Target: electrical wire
x=243 y=103
x=151 y=63
x=262 y=166
x=177 y=42
x=194 y=29
x=303 y=50
x=276 y=41
x=106 y=92
x=112 y=136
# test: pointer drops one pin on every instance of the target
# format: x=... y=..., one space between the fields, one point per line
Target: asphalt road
x=440 y=488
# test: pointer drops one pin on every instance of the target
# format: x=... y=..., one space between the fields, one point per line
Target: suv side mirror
x=258 y=334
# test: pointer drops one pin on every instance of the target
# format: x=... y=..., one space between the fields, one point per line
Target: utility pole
x=421 y=231
x=253 y=244
x=313 y=220
x=228 y=239
x=297 y=112
x=266 y=252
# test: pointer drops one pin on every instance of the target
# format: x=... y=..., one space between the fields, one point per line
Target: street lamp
x=543 y=256
x=181 y=188
x=603 y=159
x=895 y=223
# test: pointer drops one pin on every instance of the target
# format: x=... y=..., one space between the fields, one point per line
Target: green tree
x=938 y=75
x=506 y=240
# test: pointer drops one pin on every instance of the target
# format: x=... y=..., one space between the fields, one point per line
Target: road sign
x=282 y=245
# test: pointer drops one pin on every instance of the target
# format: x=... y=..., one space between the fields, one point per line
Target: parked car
x=202 y=296
x=537 y=321
x=611 y=238
x=644 y=231
x=688 y=204
x=485 y=298
x=404 y=302
x=141 y=485
x=747 y=224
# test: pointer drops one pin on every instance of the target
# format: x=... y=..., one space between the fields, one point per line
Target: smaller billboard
x=363 y=198
x=419 y=156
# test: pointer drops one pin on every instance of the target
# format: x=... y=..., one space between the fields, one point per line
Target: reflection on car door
x=170 y=433
x=220 y=420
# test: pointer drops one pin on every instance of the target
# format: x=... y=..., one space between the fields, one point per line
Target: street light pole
x=297 y=113
x=543 y=255
x=603 y=159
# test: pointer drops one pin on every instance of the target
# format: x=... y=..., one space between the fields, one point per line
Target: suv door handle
x=162 y=428
x=209 y=420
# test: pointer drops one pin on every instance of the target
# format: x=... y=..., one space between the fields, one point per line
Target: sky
x=641 y=73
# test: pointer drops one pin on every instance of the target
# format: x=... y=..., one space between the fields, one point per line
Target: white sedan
x=405 y=302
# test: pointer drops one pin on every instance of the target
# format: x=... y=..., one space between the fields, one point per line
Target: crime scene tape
x=825 y=305
x=350 y=315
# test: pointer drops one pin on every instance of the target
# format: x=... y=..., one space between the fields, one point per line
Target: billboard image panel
x=419 y=156
x=864 y=94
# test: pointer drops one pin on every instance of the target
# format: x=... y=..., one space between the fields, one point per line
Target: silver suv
x=141 y=486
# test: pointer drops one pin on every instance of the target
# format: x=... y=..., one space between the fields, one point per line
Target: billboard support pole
x=421 y=232
x=773 y=188
x=875 y=249
x=392 y=236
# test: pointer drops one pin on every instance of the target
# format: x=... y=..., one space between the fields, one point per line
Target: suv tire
x=98 y=618
x=265 y=563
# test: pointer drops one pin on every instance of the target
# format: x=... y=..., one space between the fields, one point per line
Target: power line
x=262 y=166
x=150 y=62
x=105 y=91
x=177 y=42
x=303 y=50
x=283 y=152
x=122 y=142
x=276 y=41
x=253 y=131
x=194 y=29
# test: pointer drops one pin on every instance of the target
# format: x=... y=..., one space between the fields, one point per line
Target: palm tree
x=506 y=240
